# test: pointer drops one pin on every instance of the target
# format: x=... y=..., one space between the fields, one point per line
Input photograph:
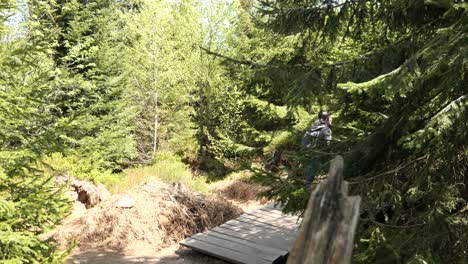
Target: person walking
x=318 y=136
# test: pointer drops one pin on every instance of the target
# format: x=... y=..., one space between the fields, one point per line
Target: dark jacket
x=319 y=134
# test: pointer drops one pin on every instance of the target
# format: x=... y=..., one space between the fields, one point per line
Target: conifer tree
x=30 y=202
x=85 y=45
x=161 y=63
x=225 y=115
x=395 y=74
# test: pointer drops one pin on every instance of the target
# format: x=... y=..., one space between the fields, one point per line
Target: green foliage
x=395 y=72
x=90 y=87
x=220 y=107
x=29 y=207
x=30 y=203
x=70 y=166
x=168 y=168
x=265 y=116
x=90 y=80
x=161 y=63
x=58 y=95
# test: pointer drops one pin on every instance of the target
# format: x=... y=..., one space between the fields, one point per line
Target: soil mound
x=154 y=215
x=240 y=191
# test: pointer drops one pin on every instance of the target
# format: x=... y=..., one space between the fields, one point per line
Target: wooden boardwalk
x=261 y=236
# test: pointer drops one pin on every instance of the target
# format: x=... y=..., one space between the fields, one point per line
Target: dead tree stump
x=326 y=234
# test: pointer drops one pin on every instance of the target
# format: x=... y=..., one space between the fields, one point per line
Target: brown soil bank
x=154 y=216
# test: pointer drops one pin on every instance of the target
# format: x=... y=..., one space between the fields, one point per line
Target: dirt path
x=172 y=255
x=142 y=252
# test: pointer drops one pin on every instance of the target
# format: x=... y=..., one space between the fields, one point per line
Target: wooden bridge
x=261 y=236
x=266 y=235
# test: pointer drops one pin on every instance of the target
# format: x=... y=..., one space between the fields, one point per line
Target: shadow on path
x=175 y=256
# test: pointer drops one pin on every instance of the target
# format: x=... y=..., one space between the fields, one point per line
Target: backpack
x=310 y=138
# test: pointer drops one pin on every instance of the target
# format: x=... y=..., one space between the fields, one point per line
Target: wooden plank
x=243 y=224
x=250 y=224
x=286 y=220
x=249 y=218
x=249 y=227
x=262 y=236
x=266 y=224
x=267 y=212
x=222 y=253
x=294 y=218
x=259 y=230
x=273 y=206
x=240 y=228
x=255 y=252
x=289 y=220
x=276 y=221
x=246 y=227
x=247 y=242
x=273 y=241
x=272 y=211
x=253 y=236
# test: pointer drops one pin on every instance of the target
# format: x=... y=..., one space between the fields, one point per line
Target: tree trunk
x=155 y=138
x=326 y=234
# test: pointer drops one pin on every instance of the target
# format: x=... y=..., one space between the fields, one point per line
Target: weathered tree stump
x=326 y=234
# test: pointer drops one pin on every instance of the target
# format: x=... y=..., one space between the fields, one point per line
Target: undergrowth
x=168 y=168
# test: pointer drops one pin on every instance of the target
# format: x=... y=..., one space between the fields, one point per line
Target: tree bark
x=326 y=234
x=155 y=138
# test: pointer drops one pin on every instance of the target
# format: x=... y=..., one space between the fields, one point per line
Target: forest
x=95 y=88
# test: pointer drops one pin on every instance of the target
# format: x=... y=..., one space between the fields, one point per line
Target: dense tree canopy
x=395 y=73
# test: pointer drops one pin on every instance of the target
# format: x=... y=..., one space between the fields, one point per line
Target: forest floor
x=239 y=196
x=171 y=255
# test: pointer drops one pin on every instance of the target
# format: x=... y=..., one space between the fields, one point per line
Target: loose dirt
x=145 y=224
x=171 y=255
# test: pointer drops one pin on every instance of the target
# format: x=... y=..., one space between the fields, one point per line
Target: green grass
x=168 y=168
x=70 y=167
x=243 y=175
